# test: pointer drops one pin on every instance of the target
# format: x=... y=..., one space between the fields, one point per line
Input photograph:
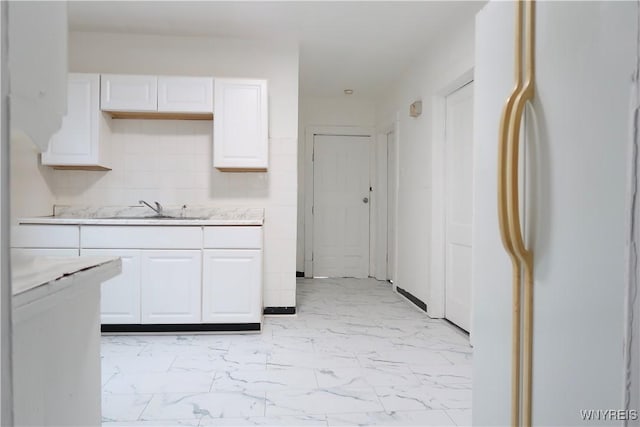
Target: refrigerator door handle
x=525 y=256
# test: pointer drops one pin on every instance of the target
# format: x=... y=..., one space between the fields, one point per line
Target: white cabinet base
x=171 y=282
x=231 y=291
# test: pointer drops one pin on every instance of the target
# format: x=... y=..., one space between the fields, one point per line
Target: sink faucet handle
x=159 y=207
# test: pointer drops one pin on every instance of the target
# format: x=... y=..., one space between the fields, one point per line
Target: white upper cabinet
x=240 y=130
x=80 y=142
x=185 y=94
x=130 y=93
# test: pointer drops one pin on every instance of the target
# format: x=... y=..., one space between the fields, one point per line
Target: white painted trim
x=438 y=198
x=382 y=244
x=310 y=132
x=380 y=187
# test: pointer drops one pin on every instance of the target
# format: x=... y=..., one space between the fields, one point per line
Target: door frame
x=382 y=225
x=310 y=133
x=438 y=195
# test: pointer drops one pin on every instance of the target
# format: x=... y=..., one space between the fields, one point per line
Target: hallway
x=355 y=354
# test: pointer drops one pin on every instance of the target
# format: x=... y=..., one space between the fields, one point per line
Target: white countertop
x=36 y=277
x=141 y=215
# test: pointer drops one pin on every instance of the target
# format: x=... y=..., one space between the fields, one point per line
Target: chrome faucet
x=157 y=209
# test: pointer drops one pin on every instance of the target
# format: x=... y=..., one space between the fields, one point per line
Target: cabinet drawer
x=144 y=237
x=45 y=236
x=233 y=237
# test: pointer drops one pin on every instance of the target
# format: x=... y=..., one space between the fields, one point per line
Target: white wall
x=328 y=111
x=171 y=161
x=430 y=77
x=31 y=182
x=6 y=382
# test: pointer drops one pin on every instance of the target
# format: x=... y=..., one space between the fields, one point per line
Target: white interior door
x=391 y=205
x=459 y=205
x=341 y=206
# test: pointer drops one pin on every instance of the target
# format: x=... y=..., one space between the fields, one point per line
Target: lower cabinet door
x=171 y=283
x=120 y=296
x=232 y=286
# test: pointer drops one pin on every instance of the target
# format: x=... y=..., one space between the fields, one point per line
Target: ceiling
x=360 y=45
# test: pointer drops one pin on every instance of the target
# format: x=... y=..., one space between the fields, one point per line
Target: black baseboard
x=279 y=310
x=299 y=273
x=417 y=301
x=186 y=327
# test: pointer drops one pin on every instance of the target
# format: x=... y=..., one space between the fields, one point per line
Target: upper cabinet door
x=240 y=129
x=185 y=94
x=121 y=92
x=77 y=143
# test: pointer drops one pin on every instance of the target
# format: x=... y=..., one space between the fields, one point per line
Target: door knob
x=365 y=200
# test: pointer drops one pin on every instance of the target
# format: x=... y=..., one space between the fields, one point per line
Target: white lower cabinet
x=231 y=286
x=170 y=274
x=171 y=282
x=120 y=296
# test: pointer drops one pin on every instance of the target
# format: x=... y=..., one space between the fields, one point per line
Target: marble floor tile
x=416 y=398
x=284 y=421
x=205 y=363
x=356 y=353
x=365 y=377
x=443 y=375
x=403 y=358
x=264 y=380
x=137 y=364
x=399 y=419
x=123 y=407
x=170 y=423
x=123 y=345
x=204 y=405
x=165 y=382
x=322 y=401
x=458 y=356
x=462 y=417
x=310 y=360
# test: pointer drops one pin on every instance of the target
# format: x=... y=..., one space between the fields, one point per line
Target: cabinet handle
x=509 y=216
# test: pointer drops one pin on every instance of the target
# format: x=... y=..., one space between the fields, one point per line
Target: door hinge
x=311 y=210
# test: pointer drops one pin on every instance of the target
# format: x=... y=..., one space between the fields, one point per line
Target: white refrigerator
x=573 y=202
